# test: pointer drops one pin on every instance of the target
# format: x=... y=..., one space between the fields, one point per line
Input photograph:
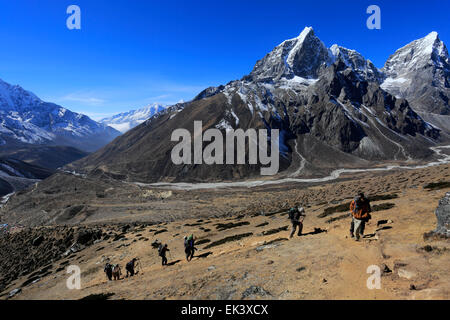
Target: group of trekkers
x=359 y=209
x=113 y=271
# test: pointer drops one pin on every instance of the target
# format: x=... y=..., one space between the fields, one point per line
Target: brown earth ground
x=265 y=264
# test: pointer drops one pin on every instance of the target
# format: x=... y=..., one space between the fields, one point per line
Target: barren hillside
x=248 y=255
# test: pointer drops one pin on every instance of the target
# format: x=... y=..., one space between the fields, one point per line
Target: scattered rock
x=443 y=216
x=437 y=185
x=118 y=237
x=412 y=287
x=433 y=249
x=156 y=244
x=385 y=269
x=269 y=246
x=300 y=269
x=14 y=292
x=255 y=291
x=429 y=294
x=225 y=226
x=399 y=264
x=262 y=224
x=406 y=274
x=381 y=222
x=86 y=237
x=31 y=281
x=123 y=256
x=37 y=241
x=211 y=268
x=160 y=231
x=76 y=247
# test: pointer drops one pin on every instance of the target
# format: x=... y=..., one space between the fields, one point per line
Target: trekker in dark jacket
x=108 y=270
x=297 y=215
x=130 y=267
x=162 y=253
x=189 y=247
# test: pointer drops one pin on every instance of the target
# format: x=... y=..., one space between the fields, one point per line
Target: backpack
x=291 y=214
x=358 y=204
x=160 y=249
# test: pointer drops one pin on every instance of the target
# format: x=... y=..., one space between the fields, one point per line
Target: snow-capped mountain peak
x=354 y=60
x=420 y=72
x=127 y=120
x=24 y=118
x=306 y=56
x=302 y=56
x=299 y=41
x=12 y=96
x=429 y=50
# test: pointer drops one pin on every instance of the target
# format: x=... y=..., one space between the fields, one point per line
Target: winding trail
x=333 y=176
x=302 y=163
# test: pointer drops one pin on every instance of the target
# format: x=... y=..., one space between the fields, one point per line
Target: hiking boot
x=352 y=235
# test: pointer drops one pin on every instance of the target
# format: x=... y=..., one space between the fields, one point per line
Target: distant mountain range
x=333 y=107
x=37 y=137
x=26 y=119
x=127 y=120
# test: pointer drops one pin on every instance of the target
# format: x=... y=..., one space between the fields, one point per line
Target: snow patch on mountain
x=127 y=120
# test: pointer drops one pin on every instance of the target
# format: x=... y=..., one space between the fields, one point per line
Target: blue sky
x=132 y=53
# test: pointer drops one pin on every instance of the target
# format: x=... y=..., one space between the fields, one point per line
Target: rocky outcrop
x=443 y=216
x=24 y=252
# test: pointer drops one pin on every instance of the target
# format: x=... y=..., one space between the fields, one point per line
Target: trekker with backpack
x=109 y=271
x=360 y=211
x=162 y=253
x=297 y=215
x=189 y=247
x=130 y=267
x=116 y=271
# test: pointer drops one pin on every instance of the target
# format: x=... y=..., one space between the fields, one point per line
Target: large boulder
x=443 y=216
x=88 y=236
